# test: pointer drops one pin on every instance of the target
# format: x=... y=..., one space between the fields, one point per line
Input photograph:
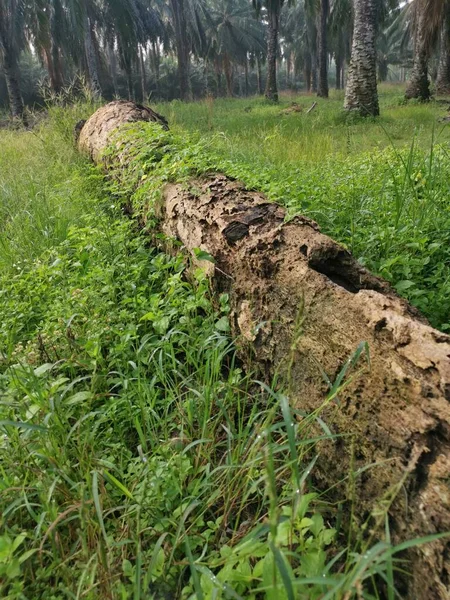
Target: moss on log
x=395 y=417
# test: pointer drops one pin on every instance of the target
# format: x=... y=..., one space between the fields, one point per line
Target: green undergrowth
x=137 y=460
x=44 y=186
x=390 y=208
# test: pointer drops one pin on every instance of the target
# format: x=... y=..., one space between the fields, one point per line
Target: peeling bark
x=395 y=416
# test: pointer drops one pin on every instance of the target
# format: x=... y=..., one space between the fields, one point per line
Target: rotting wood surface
x=395 y=416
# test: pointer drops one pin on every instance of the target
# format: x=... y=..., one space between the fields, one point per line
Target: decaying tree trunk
x=395 y=417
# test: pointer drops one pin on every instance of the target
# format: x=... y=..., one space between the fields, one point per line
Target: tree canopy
x=191 y=48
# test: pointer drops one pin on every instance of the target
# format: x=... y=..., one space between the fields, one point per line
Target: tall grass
x=250 y=128
x=44 y=186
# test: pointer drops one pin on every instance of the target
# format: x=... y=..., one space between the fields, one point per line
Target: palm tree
x=45 y=28
x=182 y=45
x=322 y=87
x=443 y=75
x=419 y=85
x=12 y=41
x=234 y=34
x=427 y=21
x=311 y=41
x=151 y=31
x=341 y=32
x=273 y=10
x=188 y=18
x=293 y=33
x=361 y=91
x=391 y=43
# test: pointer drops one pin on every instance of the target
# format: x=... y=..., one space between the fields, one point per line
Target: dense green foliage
x=137 y=460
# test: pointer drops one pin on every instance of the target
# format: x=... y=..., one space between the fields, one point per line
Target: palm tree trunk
x=218 y=68
x=91 y=58
x=271 y=92
x=314 y=70
x=382 y=68
x=205 y=77
x=443 y=76
x=400 y=419
x=12 y=76
x=307 y=72
x=156 y=62
x=322 y=90
x=419 y=86
x=143 y=75
x=339 y=63
x=361 y=91
x=259 y=76
x=130 y=86
x=113 y=67
x=181 y=41
x=338 y=76
x=288 y=70
x=53 y=64
x=57 y=69
x=228 y=75
x=246 y=76
x=48 y=61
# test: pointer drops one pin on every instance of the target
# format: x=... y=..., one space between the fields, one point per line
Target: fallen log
x=395 y=417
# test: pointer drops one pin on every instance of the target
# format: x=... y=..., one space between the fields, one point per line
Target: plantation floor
x=256 y=130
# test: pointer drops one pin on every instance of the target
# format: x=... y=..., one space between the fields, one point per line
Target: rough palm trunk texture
x=396 y=415
x=443 y=74
x=322 y=90
x=361 y=90
x=91 y=58
x=271 y=92
x=11 y=71
x=419 y=86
